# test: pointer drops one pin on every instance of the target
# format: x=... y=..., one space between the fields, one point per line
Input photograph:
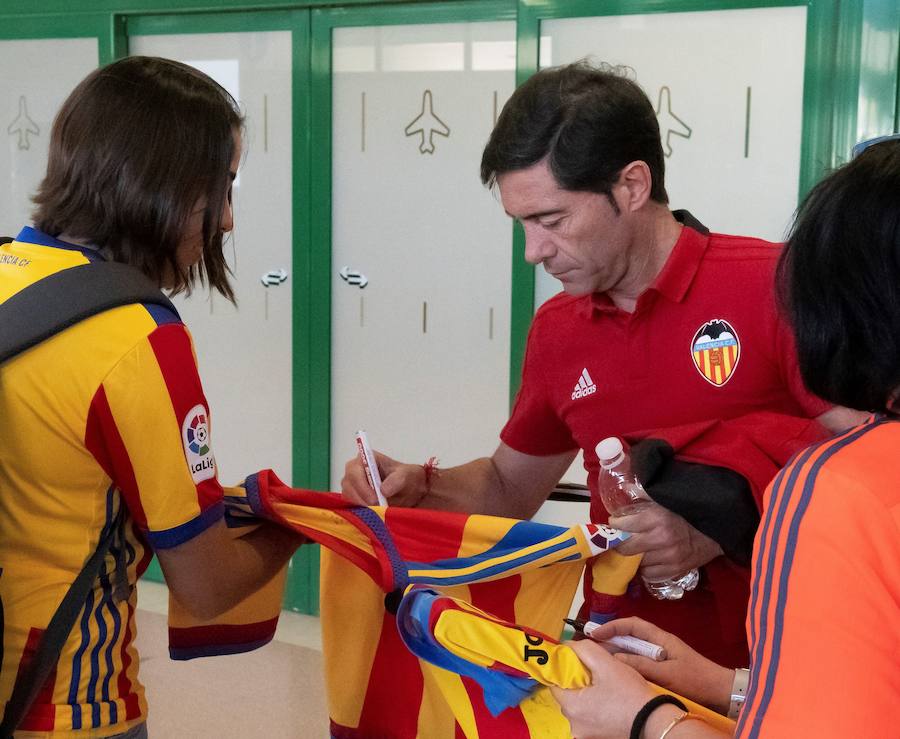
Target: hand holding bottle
x=670 y=545
x=659 y=534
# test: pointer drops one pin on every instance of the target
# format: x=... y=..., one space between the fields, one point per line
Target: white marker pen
x=367 y=457
x=630 y=644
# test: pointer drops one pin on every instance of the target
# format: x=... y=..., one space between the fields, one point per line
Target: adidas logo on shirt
x=584 y=387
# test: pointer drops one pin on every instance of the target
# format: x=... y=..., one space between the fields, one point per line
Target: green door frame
x=106 y=28
x=301 y=593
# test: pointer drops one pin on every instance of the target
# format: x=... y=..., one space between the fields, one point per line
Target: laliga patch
x=601 y=537
x=716 y=351
x=197 y=449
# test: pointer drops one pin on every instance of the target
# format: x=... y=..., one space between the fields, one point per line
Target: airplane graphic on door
x=669 y=123
x=427 y=124
x=23 y=125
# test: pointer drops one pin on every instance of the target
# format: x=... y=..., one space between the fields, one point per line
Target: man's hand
x=670 y=545
x=685 y=671
x=402 y=484
x=508 y=483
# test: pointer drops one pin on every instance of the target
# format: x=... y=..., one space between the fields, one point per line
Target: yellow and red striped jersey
x=521 y=572
x=106 y=414
x=435 y=624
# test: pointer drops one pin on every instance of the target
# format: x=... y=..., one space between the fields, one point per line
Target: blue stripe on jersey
x=794 y=466
x=520 y=535
x=119 y=555
x=30 y=235
x=110 y=668
x=91 y=691
x=783 y=575
x=105 y=593
x=86 y=636
x=216 y=650
x=373 y=521
x=185 y=532
x=251 y=485
x=161 y=315
x=453 y=578
x=76 y=661
x=791 y=471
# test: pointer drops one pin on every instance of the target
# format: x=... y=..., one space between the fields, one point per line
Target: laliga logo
x=195 y=434
x=601 y=536
x=198 y=435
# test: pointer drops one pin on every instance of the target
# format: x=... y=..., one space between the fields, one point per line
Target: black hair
x=133 y=150
x=589 y=122
x=839 y=281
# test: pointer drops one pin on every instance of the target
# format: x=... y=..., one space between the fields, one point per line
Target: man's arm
x=214 y=571
x=509 y=483
x=839 y=419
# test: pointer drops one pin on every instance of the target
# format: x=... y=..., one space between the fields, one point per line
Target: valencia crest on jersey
x=716 y=350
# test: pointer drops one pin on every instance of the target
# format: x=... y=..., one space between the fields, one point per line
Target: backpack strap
x=46 y=655
x=64 y=298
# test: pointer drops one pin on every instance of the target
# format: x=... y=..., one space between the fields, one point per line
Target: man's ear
x=634 y=184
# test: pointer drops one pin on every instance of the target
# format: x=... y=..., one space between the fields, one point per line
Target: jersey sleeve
x=534 y=427
x=823 y=617
x=149 y=428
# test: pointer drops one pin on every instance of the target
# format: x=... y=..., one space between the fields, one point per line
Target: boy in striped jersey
x=105 y=425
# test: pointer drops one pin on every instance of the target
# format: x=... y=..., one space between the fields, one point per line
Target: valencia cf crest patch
x=716 y=350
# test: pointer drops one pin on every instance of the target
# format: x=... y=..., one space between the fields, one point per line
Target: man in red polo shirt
x=662 y=330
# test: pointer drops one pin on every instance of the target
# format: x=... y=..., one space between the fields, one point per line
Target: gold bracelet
x=686 y=716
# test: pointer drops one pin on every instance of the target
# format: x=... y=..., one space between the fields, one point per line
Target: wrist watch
x=738 y=691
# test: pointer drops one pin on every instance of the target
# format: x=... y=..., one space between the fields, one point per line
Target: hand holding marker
x=630 y=644
x=367 y=457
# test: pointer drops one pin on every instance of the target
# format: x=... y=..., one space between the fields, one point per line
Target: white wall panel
x=735 y=82
x=36 y=76
x=420 y=355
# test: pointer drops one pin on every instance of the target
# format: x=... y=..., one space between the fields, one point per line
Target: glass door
x=419 y=266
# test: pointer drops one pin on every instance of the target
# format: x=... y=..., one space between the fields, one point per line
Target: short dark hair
x=588 y=121
x=134 y=148
x=839 y=281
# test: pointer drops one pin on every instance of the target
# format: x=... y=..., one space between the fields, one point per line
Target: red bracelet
x=431 y=470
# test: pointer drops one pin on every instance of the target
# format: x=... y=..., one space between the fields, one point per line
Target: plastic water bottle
x=622 y=493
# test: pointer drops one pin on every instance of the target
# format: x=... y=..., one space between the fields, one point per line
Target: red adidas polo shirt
x=704 y=341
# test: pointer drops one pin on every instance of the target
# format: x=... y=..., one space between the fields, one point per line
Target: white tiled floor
x=275 y=692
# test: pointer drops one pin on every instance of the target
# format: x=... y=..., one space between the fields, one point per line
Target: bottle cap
x=610 y=452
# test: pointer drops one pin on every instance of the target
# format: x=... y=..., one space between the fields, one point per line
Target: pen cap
x=610 y=452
